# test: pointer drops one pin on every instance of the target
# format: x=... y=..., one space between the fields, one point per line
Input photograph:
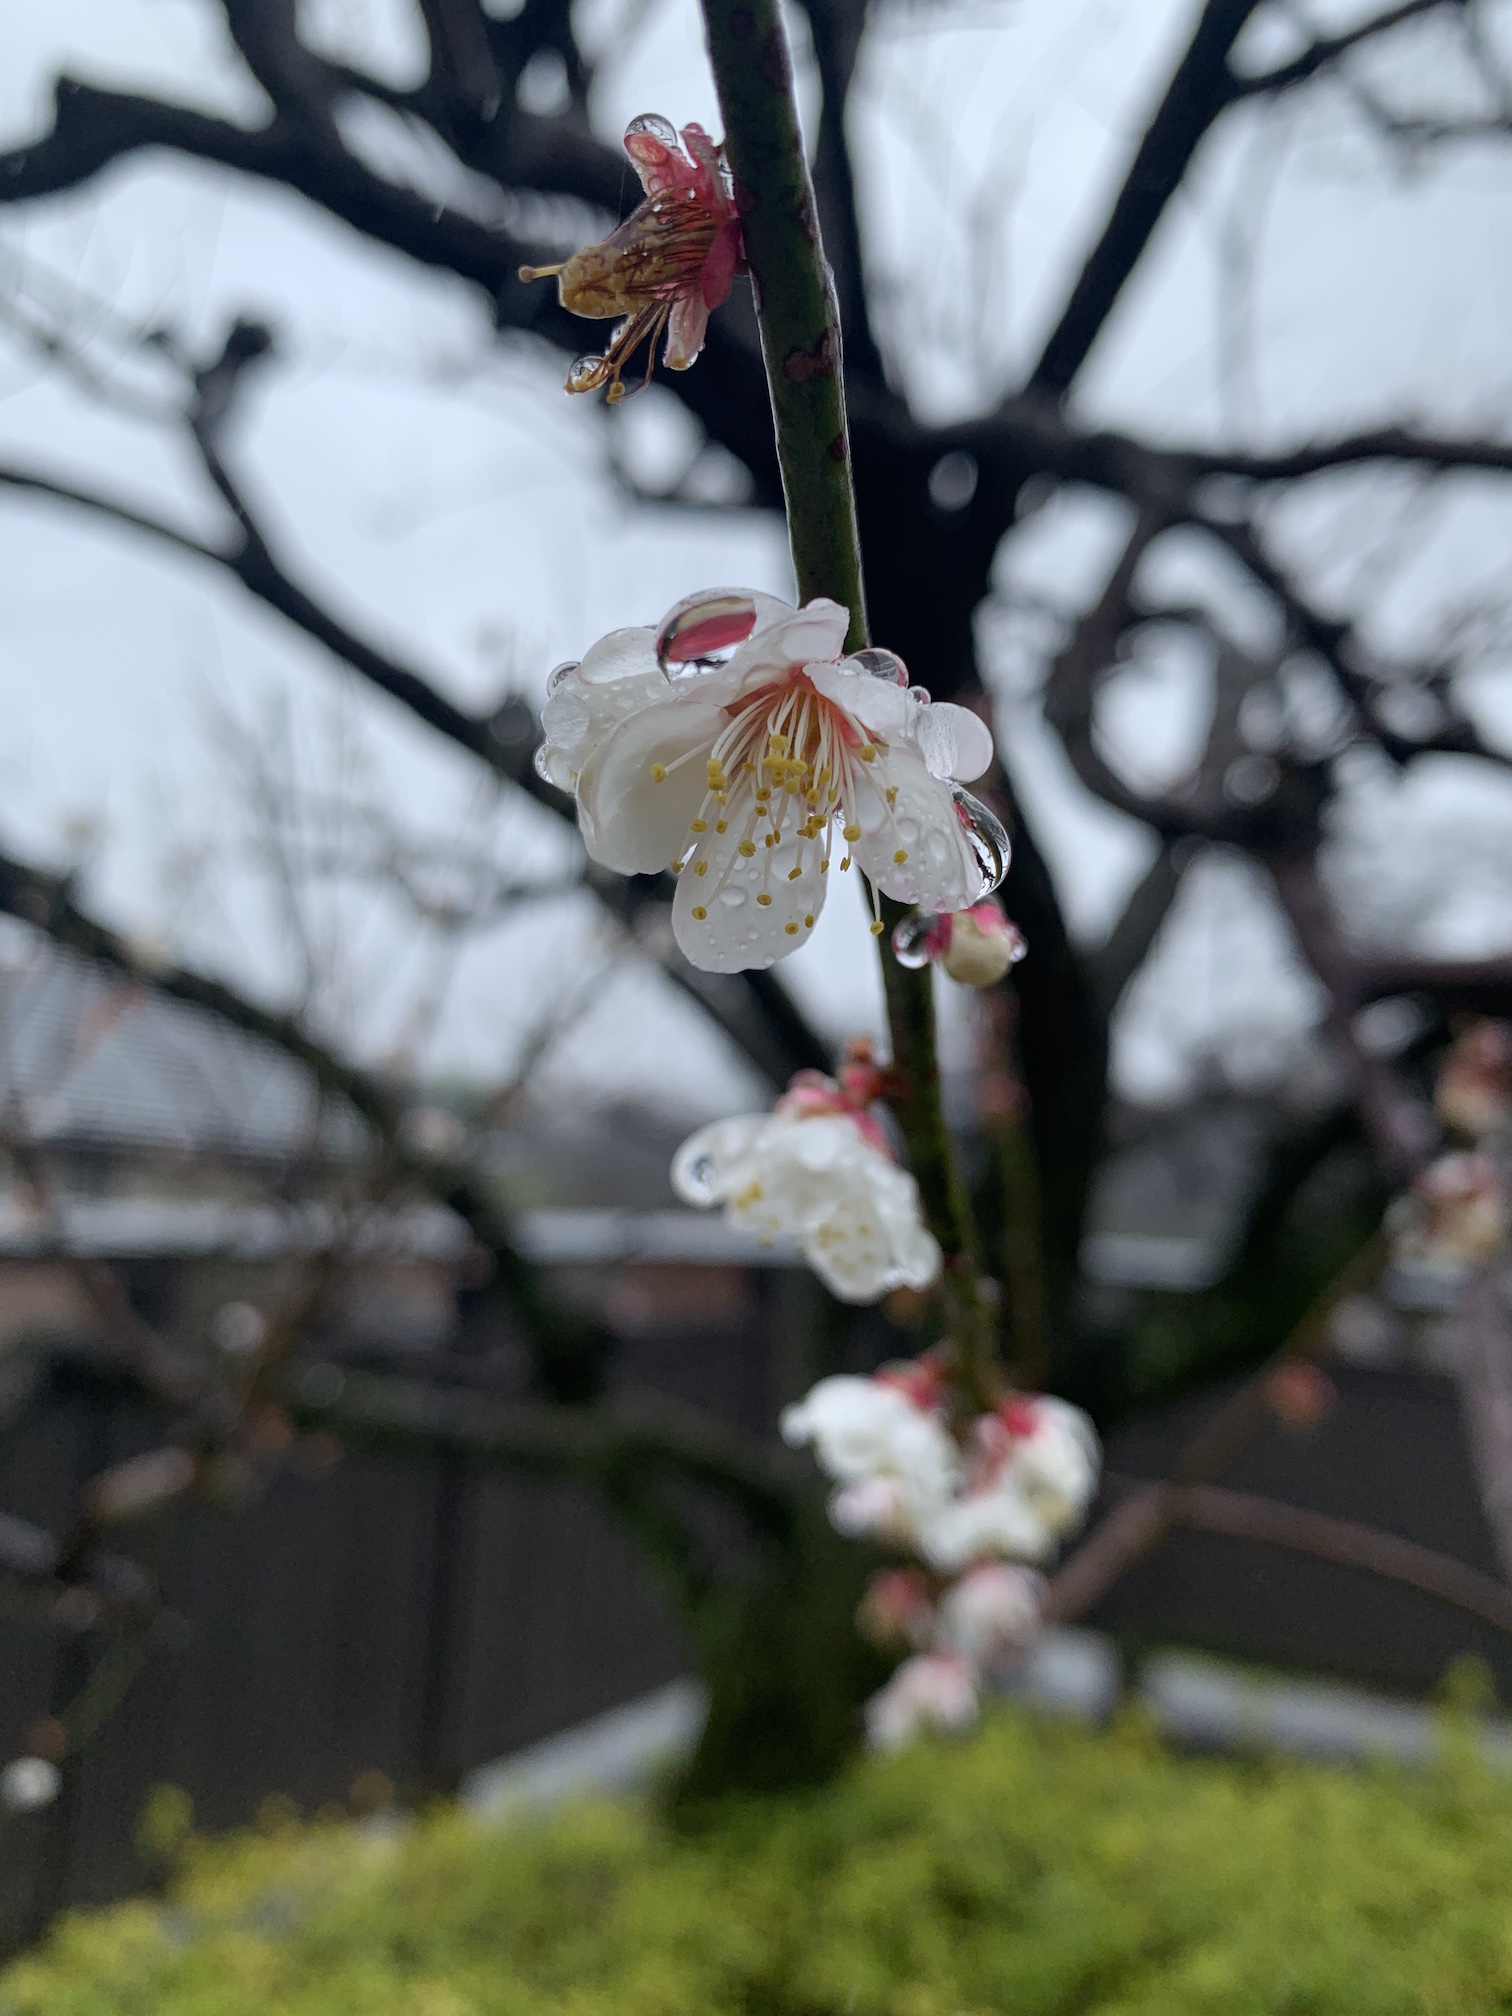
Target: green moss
x=1037 y=1870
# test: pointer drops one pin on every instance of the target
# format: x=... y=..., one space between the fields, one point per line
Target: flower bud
x=981 y=945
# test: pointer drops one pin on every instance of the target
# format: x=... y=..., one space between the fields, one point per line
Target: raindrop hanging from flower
x=975 y=946
x=667 y=266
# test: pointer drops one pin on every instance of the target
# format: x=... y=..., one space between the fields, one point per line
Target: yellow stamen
x=794 y=873
x=809 y=920
x=901 y=856
x=867 y=753
x=764 y=900
x=699 y=912
x=658 y=773
x=748 y=848
x=876 y=929
x=721 y=825
x=700 y=867
x=791 y=930
x=853 y=831
x=698 y=825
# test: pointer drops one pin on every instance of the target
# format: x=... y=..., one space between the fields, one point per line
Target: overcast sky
x=445 y=497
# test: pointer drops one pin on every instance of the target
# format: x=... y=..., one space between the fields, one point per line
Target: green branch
x=801 y=346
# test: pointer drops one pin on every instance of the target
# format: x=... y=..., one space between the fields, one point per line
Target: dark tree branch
x=1471 y=986
x=837 y=26
x=1199 y=91
x=1135 y=1527
x=1114 y=964
x=1327 y=49
x=1241 y=1516
x=408 y=1415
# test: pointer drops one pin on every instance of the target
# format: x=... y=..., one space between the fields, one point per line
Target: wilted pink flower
x=666 y=266
x=933 y=1691
x=1474 y=1091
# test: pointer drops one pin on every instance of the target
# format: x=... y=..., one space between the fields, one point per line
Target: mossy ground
x=1035 y=1869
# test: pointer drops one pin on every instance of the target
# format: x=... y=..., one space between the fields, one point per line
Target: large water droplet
x=910 y=939
x=885 y=665
x=731 y=897
x=586 y=374
x=987 y=839
x=920 y=694
x=558 y=673
x=698 y=1179
x=703 y=632
x=654 y=124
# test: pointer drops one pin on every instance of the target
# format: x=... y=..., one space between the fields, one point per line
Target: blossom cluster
x=1458 y=1213
x=974 y=1502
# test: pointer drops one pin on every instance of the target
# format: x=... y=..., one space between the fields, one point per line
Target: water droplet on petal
x=911 y=936
x=697 y=1179
x=654 y=124
x=704 y=631
x=731 y=897
x=558 y=673
x=987 y=839
x=919 y=693
x=542 y=763
x=881 y=665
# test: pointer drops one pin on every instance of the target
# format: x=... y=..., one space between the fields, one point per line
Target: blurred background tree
x=1177 y=404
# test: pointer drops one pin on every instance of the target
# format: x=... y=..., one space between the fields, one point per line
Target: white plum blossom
x=990 y=1614
x=734 y=775
x=933 y=1691
x=892 y=1456
x=817 y=1168
x=1031 y=1474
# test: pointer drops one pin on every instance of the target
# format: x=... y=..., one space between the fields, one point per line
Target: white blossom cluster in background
x=819 y=1168
x=1458 y=1214
x=729 y=744
x=973 y=1503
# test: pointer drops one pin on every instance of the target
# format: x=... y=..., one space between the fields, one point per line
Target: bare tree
x=936 y=503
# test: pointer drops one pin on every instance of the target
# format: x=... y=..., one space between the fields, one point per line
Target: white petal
x=953 y=741
x=629 y=821
x=737 y=932
x=880 y=708
x=940 y=872
x=724 y=1144
x=623 y=654
x=816 y=631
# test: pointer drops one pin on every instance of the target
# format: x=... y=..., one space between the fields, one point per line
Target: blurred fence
x=411 y=1618
x=418 y=1619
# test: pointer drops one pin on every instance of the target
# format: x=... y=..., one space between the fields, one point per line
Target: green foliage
x=1034 y=1870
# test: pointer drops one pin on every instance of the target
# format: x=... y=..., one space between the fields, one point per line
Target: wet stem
x=801 y=347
